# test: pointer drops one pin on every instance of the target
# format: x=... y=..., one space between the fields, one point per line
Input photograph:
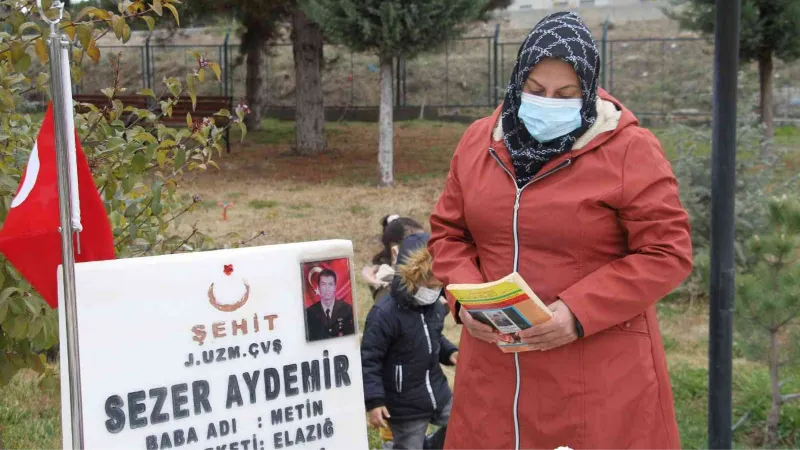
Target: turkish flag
x=30 y=237
x=311 y=271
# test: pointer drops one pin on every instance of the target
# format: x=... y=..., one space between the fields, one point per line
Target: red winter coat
x=602 y=228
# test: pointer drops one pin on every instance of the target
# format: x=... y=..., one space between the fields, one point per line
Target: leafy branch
x=195 y=230
x=123 y=158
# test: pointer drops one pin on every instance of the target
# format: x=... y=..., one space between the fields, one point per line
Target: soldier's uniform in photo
x=333 y=322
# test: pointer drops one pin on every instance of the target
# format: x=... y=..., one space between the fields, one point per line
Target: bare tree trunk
x=255 y=85
x=765 y=76
x=385 y=158
x=424 y=102
x=310 y=107
x=775 y=413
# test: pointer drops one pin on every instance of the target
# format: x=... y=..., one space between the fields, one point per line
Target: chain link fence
x=654 y=77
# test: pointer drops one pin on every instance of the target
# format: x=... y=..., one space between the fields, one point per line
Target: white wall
x=526 y=13
x=549 y=4
x=531 y=4
x=617 y=2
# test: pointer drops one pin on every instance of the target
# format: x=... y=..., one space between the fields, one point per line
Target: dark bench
x=207 y=107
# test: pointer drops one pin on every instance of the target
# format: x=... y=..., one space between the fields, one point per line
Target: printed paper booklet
x=508 y=305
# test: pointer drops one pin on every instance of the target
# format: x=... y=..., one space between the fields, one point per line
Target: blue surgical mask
x=550 y=118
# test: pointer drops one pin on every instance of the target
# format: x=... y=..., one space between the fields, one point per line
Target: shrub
x=137 y=163
x=757 y=178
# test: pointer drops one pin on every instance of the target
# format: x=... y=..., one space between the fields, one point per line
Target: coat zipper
x=430 y=351
x=427 y=334
x=398 y=378
x=566 y=163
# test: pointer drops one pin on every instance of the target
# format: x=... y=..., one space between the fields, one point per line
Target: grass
x=262 y=204
x=358 y=210
x=334 y=196
x=787 y=135
x=751 y=402
x=30 y=415
x=421 y=155
x=275 y=132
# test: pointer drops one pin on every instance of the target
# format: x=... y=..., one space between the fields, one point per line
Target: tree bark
x=765 y=76
x=307 y=43
x=255 y=81
x=385 y=153
x=775 y=413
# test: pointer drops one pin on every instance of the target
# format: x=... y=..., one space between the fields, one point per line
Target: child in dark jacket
x=402 y=349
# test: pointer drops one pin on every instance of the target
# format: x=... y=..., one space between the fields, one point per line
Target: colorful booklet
x=508 y=305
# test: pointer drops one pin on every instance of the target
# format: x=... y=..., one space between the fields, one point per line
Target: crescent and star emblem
x=311 y=273
x=31 y=174
x=228 y=307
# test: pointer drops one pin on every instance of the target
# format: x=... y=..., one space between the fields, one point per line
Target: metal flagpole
x=723 y=175
x=58 y=43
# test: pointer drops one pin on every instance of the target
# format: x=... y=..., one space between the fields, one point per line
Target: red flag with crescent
x=30 y=237
x=311 y=271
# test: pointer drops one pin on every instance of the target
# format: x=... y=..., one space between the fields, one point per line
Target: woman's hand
x=454 y=358
x=378 y=416
x=559 y=330
x=481 y=331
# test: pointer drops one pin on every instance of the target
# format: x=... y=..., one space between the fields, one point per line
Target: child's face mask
x=427 y=296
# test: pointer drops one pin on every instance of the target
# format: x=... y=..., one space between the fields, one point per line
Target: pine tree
x=768 y=302
x=392 y=29
x=769 y=30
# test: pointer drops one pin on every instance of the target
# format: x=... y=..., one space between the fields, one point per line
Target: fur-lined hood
x=417 y=270
x=414 y=269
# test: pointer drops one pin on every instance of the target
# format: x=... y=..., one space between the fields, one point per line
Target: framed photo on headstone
x=328 y=299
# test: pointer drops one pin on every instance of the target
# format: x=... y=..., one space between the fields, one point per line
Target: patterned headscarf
x=562 y=36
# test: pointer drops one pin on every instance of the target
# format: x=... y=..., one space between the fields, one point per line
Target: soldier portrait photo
x=328 y=299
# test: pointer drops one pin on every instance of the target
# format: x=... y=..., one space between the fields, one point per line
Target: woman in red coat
x=562 y=185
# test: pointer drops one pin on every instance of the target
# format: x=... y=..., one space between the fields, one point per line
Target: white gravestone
x=210 y=351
